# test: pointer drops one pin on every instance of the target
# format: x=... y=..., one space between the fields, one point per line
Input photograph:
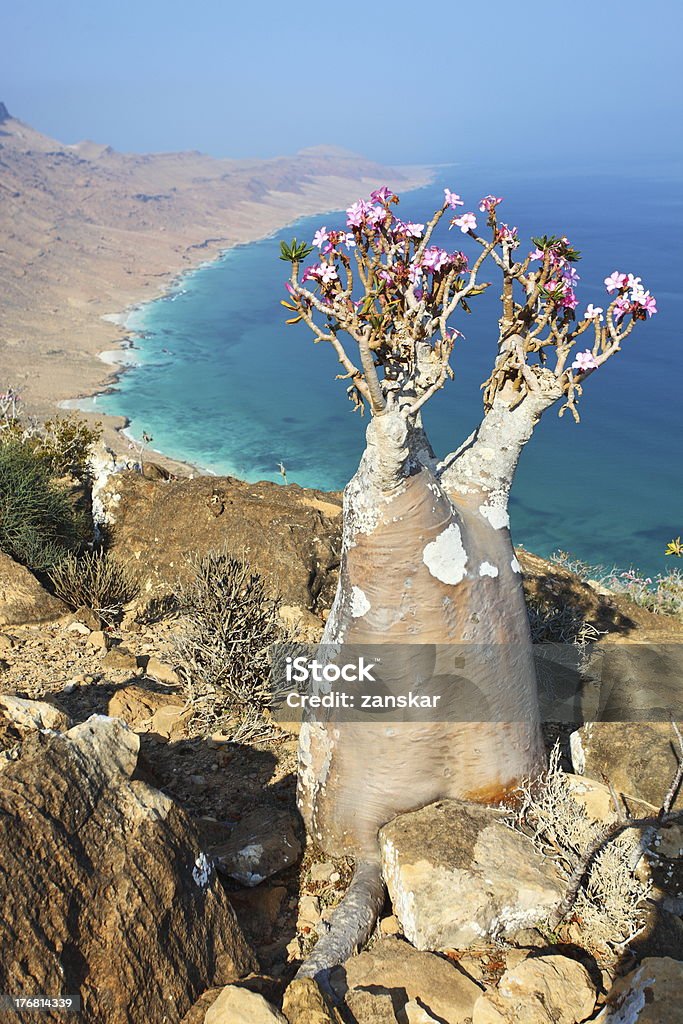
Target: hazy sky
x=420 y=81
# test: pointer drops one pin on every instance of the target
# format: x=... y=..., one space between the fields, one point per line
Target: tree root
x=351 y=924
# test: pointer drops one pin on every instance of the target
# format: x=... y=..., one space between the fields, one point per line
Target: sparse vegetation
x=39 y=523
x=63 y=444
x=661 y=594
x=610 y=904
x=229 y=623
x=553 y=624
x=96 y=580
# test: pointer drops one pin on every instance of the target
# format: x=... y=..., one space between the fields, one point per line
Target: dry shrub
x=611 y=904
x=94 y=580
x=229 y=623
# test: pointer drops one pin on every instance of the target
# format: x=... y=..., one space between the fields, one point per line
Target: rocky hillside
x=86 y=231
x=156 y=866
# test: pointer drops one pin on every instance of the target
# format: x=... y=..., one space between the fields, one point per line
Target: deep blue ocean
x=223 y=383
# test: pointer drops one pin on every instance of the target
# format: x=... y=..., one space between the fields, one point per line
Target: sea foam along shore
x=272 y=219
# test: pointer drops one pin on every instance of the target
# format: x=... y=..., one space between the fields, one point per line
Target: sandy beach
x=88 y=234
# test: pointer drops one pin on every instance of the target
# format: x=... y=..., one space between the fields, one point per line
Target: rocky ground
x=463 y=936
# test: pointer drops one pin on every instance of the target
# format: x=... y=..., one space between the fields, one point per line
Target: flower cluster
x=385 y=283
x=632 y=297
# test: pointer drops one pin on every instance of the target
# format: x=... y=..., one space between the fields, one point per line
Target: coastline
x=115 y=428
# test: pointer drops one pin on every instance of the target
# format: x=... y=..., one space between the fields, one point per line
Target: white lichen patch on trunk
x=359 y=602
x=446 y=557
x=495 y=511
x=486 y=569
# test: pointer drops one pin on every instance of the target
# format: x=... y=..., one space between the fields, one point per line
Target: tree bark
x=421 y=567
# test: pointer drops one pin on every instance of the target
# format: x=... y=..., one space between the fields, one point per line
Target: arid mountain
x=87 y=231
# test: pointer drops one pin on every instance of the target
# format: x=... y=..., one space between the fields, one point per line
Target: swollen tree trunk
x=427 y=560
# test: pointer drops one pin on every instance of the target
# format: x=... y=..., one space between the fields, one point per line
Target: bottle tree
x=427 y=557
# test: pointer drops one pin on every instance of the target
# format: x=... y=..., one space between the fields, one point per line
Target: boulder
x=393 y=967
x=649 y=995
x=28 y=715
x=22 y=599
x=540 y=990
x=139 y=707
x=638 y=758
x=457 y=876
x=104 y=887
x=264 y=842
x=237 y=1005
x=304 y=1003
x=288 y=534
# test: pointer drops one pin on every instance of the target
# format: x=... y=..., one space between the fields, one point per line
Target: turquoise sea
x=223 y=383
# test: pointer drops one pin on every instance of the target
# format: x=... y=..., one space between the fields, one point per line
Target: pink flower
x=489 y=203
x=348 y=240
x=452 y=199
x=594 y=313
x=635 y=282
x=320 y=237
x=585 y=361
x=312 y=273
x=377 y=215
x=434 y=259
x=507 y=234
x=287 y=286
x=414 y=273
x=414 y=230
x=384 y=275
x=328 y=273
x=649 y=304
x=570 y=275
x=466 y=222
x=537 y=254
x=621 y=307
x=381 y=195
x=615 y=282
x=569 y=299
x=355 y=215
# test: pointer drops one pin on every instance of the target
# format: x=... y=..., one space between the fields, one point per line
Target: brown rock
x=458 y=875
x=236 y=1005
x=107 y=878
x=138 y=707
x=304 y=1003
x=395 y=968
x=649 y=995
x=261 y=844
x=120 y=659
x=289 y=535
x=371 y=1007
x=638 y=758
x=88 y=617
x=22 y=598
x=540 y=990
x=170 y=721
x=99 y=640
x=163 y=673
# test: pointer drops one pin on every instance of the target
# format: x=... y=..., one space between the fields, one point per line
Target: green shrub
x=229 y=623
x=38 y=522
x=94 y=579
x=63 y=444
